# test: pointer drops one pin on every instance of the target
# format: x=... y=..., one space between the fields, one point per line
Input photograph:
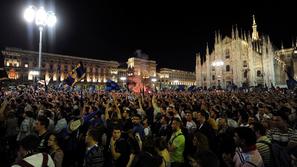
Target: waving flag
x=76 y=75
x=111 y=85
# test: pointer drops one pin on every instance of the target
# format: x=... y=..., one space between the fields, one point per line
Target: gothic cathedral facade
x=243 y=59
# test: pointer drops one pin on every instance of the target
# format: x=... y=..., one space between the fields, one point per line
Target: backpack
x=280 y=156
x=187 y=142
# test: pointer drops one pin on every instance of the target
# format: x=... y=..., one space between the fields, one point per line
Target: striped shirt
x=264 y=150
x=94 y=157
x=283 y=138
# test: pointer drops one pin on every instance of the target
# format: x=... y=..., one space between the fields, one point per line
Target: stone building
x=21 y=64
x=244 y=59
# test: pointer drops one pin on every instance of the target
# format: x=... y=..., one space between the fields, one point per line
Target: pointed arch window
x=227 y=54
x=259 y=74
x=245 y=64
x=245 y=73
x=227 y=68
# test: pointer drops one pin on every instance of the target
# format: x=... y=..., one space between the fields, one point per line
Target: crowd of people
x=163 y=129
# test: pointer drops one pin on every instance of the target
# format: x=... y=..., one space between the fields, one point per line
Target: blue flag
x=76 y=75
x=111 y=85
x=181 y=88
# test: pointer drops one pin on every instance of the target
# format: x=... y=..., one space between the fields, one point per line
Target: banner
x=76 y=75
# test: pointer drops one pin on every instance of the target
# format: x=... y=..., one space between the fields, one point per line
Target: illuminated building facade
x=22 y=64
x=169 y=76
x=244 y=59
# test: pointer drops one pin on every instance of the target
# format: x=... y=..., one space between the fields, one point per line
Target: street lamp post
x=42 y=19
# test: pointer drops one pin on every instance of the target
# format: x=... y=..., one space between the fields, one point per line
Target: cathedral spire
x=198 y=58
x=207 y=49
x=236 y=32
x=232 y=33
x=219 y=36
x=255 y=35
x=268 y=40
x=244 y=36
x=282 y=45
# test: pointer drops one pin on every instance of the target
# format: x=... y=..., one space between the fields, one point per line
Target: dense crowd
x=169 y=129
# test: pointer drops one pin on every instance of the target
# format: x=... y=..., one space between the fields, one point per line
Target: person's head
x=261 y=108
x=53 y=141
x=92 y=136
x=126 y=112
x=164 y=120
x=145 y=122
x=223 y=123
x=202 y=116
x=214 y=113
x=244 y=137
x=41 y=124
x=189 y=116
x=200 y=141
x=171 y=110
x=136 y=119
x=204 y=158
x=116 y=132
x=259 y=129
x=28 y=145
x=280 y=118
x=176 y=124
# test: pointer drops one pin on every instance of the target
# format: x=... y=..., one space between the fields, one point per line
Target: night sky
x=169 y=32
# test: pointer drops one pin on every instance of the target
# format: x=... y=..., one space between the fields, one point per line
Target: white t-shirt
x=36 y=160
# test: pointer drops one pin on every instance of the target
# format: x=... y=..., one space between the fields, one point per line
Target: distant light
x=295 y=51
x=41 y=17
x=29 y=14
x=154 y=79
x=51 y=19
x=34 y=73
x=123 y=78
x=175 y=81
x=26 y=65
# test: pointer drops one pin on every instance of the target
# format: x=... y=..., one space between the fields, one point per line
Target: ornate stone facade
x=289 y=55
x=143 y=67
x=176 y=77
x=243 y=59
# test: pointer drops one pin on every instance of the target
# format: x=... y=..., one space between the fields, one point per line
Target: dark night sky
x=169 y=32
